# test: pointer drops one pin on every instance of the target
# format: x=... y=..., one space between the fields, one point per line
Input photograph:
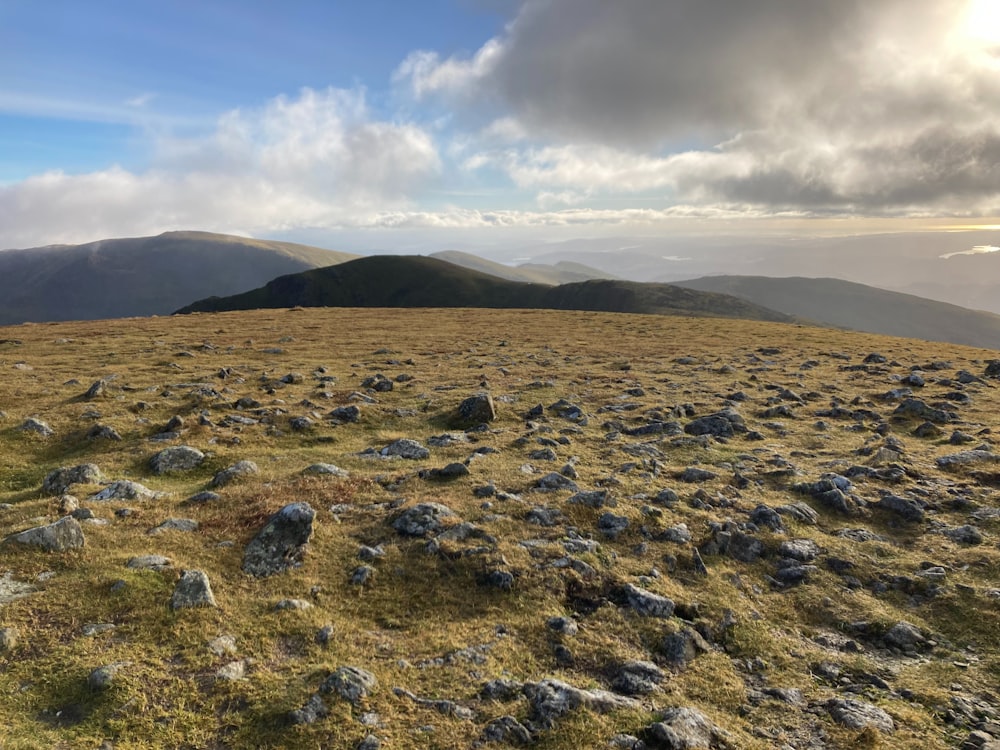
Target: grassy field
x=428 y=621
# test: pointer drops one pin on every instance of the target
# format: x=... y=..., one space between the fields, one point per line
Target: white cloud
x=832 y=106
x=317 y=159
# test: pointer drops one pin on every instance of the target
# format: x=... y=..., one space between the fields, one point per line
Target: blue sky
x=480 y=119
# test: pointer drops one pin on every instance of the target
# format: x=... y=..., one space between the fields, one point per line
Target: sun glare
x=982 y=20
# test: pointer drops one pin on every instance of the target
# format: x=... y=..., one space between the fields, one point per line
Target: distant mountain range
x=158 y=275
x=418 y=281
x=141 y=276
x=843 y=304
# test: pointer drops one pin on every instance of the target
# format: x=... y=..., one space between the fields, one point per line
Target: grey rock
x=454 y=470
x=103 y=678
x=326 y=469
x=646 y=603
x=721 y=424
x=103 y=432
x=292 y=605
x=914 y=408
x=550 y=699
x=856 y=714
x=346 y=414
x=36 y=426
x=593 y=499
x=803 y=550
x=406 y=448
x=65 y=534
x=964 y=534
x=174 y=524
x=611 y=525
x=475 y=410
x=693 y=474
x=149 y=562
x=176 y=458
x=282 y=542
x=203 y=497
x=8 y=639
x=685 y=728
x=234 y=671
x=377 y=382
x=679 y=534
x=423 y=519
x=238 y=470
x=553 y=482
x=547 y=517
x=744 y=547
x=59 y=481
x=192 y=590
x=908 y=510
x=681 y=648
x=96 y=389
x=966 y=459
x=637 y=678
x=362 y=575
x=124 y=489
x=314 y=710
x=767 y=517
x=905 y=636
x=800 y=512
x=508 y=730
x=563 y=625
x=442 y=706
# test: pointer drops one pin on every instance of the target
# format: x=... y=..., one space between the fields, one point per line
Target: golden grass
x=420 y=607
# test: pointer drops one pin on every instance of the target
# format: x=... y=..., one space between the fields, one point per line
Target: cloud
x=852 y=106
x=317 y=159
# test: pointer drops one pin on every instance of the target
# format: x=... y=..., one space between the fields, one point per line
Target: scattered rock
x=637 y=678
x=550 y=699
x=36 y=426
x=508 y=730
x=238 y=470
x=65 y=534
x=326 y=469
x=103 y=678
x=475 y=410
x=176 y=458
x=856 y=714
x=59 y=481
x=192 y=590
x=686 y=729
x=282 y=542
x=124 y=489
x=646 y=603
x=406 y=448
x=424 y=519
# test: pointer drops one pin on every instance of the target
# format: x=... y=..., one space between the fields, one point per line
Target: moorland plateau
x=459 y=528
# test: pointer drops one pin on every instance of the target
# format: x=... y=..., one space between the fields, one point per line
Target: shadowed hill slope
x=863 y=308
x=141 y=276
x=416 y=281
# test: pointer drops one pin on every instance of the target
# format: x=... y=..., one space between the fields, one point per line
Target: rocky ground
x=365 y=528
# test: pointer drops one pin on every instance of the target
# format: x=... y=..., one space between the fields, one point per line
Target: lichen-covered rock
x=124 y=489
x=350 y=683
x=475 y=410
x=856 y=714
x=646 y=603
x=192 y=590
x=176 y=458
x=684 y=728
x=637 y=678
x=405 y=448
x=236 y=471
x=60 y=480
x=282 y=542
x=65 y=534
x=423 y=519
x=550 y=699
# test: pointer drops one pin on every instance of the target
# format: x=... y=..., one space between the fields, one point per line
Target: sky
x=386 y=124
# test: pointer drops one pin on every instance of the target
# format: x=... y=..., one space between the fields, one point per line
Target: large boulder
x=64 y=534
x=60 y=480
x=176 y=458
x=475 y=410
x=192 y=590
x=281 y=544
